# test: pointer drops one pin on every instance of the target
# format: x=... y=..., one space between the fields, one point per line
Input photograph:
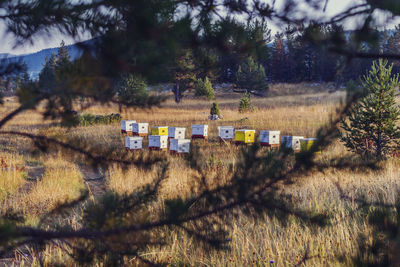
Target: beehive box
x=176 y=132
x=200 y=131
x=179 y=146
x=126 y=126
x=226 y=133
x=292 y=142
x=140 y=129
x=244 y=136
x=307 y=143
x=158 y=142
x=270 y=138
x=159 y=130
x=134 y=143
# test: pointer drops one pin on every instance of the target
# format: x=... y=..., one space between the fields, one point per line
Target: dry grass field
x=32 y=182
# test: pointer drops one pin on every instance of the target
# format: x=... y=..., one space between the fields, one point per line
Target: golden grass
x=255 y=241
x=12 y=174
x=62 y=181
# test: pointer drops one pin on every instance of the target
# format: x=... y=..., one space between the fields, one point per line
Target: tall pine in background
x=251 y=76
x=184 y=74
x=371 y=127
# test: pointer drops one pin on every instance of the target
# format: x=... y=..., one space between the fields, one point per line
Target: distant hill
x=6 y=55
x=35 y=61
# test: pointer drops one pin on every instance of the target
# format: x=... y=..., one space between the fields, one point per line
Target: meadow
x=33 y=182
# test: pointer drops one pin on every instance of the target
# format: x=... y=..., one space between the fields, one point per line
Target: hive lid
x=310 y=139
x=272 y=131
x=135 y=138
x=245 y=130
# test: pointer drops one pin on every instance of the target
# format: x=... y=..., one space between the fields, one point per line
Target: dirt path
x=95 y=180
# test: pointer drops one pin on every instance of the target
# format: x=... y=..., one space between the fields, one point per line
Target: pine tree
x=393 y=46
x=131 y=89
x=278 y=61
x=245 y=103
x=215 y=109
x=63 y=53
x=204 y=88
x=185 y=75
x=47 y=76
x=251 y=76
x=371 y=129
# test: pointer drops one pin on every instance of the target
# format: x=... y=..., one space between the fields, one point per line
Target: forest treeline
x=296 y=54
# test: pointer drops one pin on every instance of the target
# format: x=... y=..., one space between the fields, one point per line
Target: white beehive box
x=183 y=146
x=126 y=126
x=292 y=141
x=199 y=130
x=269 y=138
x=179 y=145
x=158 y=142
x=134 y=142
x=176 y=132
x=173 y=145
x=140 y=128
x=226 y=132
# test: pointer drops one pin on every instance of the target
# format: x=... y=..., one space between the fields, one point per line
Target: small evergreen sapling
x=245 y=103
x=215 y=109
x=371 y=127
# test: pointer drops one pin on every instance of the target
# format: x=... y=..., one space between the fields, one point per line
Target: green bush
x=87 y=119
x=215 y=109
x=204 y=88
x=245 y=103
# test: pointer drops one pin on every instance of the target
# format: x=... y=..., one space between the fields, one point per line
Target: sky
x=41 y=41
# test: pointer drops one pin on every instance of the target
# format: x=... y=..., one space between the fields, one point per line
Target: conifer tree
x=204 y=88
x=215 y=109
x=132 y=89
x=47 y=78
x=245 y=103
x=251 y=76
x=185 y=75
x=278 y=60
x=371 y=127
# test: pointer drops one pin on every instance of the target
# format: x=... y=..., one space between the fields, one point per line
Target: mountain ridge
x=36 y=60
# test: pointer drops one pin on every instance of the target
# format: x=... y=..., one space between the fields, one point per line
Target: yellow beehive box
x=245 y=136
x=307 y=143
x=159 y=130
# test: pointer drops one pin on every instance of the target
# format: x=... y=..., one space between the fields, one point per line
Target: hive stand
x=200 y=137
x=227 y=141
x=158 y=149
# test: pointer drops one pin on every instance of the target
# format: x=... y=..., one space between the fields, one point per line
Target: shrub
x=245 y=103
x=87 y=119
x=204 y=88
x=371 y=128
x=215 y=109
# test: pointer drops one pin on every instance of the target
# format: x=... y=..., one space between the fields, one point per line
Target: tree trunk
x=176 y=93
x=379 y=146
